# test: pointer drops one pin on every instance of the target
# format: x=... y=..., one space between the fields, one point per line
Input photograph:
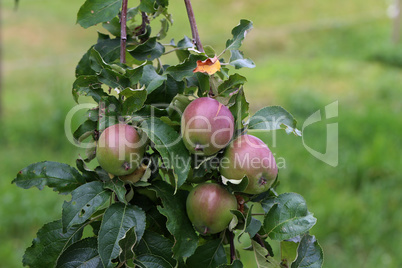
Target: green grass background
x=308 y=54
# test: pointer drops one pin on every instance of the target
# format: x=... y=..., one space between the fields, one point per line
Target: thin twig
x=193 y=24
x=123 y=33
x=232 y=247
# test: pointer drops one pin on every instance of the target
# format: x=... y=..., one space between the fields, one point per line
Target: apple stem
x=123 y=33
x=193 y=25
x=232 y=247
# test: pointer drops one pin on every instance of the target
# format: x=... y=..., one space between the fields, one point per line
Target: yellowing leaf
x=208 y=66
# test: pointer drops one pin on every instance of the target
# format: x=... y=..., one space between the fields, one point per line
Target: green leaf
x=156 y=222
x=239 y=107
x=148 y=111
x=166 y=92
x=203 y=83
x=109 y=49
x=272 y=118
x=92 y=114
x=112 y=75
x=238 y=61
x=95 y=225
x=177 y=106
x=85 y=200
x=288 y=251
x=182 y=54
x=209 y=255
x=152 y=261
x=178 y=224
x=127 y=244
x=135 y=101
x=84 y=67
x=90 y=153
x=239 y=33
x=209 y=51
x=117 y=186
x=247 y=224
x=185 y=69
x=151 y=79
x=87 y=173
x=118 y=219
x=85 y=130
x=262 y=258
x=185 y=43
x=162 y=3
x=113 y=26
x=287 y=216
x=273 y=263
x=102 y=36
x=156 y=244
x=201 y=166
x=134 y=75
x=113 y=79
x=252 y=225
x=260 y=255
x=164 y=29
x=88 y=85
x=309 y=253
x=232 y=85
x=237 y=221
x=61 y=177
x=81 y=254
x=102 y=174
x=238 y=187
x=171 y=147
x=49 y=244
x=96 y=11
x=149 y=50
x=148 y=6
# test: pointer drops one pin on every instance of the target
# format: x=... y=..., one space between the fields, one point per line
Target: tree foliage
x=145 y=224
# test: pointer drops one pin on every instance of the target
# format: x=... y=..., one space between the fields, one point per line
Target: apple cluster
x=207 y=129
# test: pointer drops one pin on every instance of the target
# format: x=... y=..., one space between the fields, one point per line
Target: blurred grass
x=308 y=54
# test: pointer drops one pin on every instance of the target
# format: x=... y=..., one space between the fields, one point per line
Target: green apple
x=120 y=149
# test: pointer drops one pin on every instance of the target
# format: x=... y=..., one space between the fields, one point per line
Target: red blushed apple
x=207 y=126
x=208 y=208
x=249 y=156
